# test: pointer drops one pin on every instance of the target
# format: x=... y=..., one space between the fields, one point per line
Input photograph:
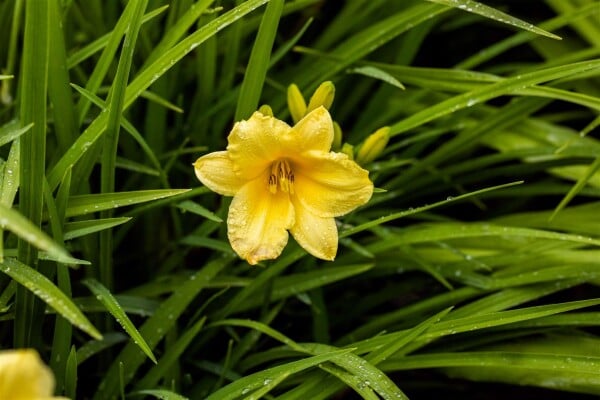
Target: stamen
x=282 y=176
x=272 y=184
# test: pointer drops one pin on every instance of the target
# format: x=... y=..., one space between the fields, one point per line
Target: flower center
x=282 y=176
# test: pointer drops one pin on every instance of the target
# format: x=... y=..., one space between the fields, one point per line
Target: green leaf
x=376 y=73
x=71 y=374
x=580 y=184
x=161 y=394
x=82 y=228
x=489 y=12
x=557 y=374
x=94 y=347
x=90 y=203
x=537 y=362
x=110 y=303
x=291 y=285
x=11 y=131
x=172 y=356
x=256 y=70
x=43 y=288
x=197 y=209
x=157 y=326
x=401 y=214
x=250 y=383
x=145 y=78
x=100 y=43
x=503 y=87
x=358 y=367
x=13 y=221
x=11 y=175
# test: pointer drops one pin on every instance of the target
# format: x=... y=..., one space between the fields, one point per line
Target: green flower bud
x=296 y=103
x=337 y=136
x=348 y=150
x=373 y=146
x=266 y=109
x=5 y=96
x=323 y=96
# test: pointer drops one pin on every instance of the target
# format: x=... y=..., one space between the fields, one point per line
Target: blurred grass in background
x=479 y=262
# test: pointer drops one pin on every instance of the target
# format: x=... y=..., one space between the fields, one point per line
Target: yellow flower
x=284 y=179
x=23 y=376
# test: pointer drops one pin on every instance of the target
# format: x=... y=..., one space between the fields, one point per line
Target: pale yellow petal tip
x=325 y=250
x=261 y=254
x=264 y=252
x=328 y=256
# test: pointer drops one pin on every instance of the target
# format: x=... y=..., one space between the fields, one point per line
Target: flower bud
x=337 y=137
x=296 y=103
x=266 y=109
x=348 y=150
x=5 y=96
x=323 y=96
x=373 y=146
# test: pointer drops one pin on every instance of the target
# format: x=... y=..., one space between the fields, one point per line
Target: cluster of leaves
x=479 y=261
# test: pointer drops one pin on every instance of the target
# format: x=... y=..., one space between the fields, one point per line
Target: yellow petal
x=330 y=184
x=316 y=235
x=258 y=221
x=255 y=143
x=313 y=132
x=24 y=376
x=215 y=171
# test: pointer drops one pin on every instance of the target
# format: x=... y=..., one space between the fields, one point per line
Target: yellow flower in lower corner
x=284 y=179
x=23 y=376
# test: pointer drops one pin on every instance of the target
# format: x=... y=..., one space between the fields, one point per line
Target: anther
x=282 y=176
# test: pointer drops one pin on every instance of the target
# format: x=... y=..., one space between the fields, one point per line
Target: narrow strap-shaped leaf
x=536 y=361
x=369 y=375
x=33 y=87
x=90 y=203
x=110 y=303
x=522 y=37
x=160 y=394
x=505 y=86
x=256 y=71
x=94 y=347
x=111 y=137
x=71 y=374
x=82 y=228
x=580 y=184
x=255 y=381
x=9 y=183
x=490 y=12
x=376 y=73
x=11 y=178
x=291 y=285
x=42 y=287
x=145 y=79
x=171 y=357
x=196 y=208
x=59 y=90
x=106 y=59
x=126 y=125
x=85 y=52
x=11 y=131
x=157 y=326
x=15 y=222
x=402 y=214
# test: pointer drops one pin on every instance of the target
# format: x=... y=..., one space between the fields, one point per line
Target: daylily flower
x=284 y=179
x=23 y=376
